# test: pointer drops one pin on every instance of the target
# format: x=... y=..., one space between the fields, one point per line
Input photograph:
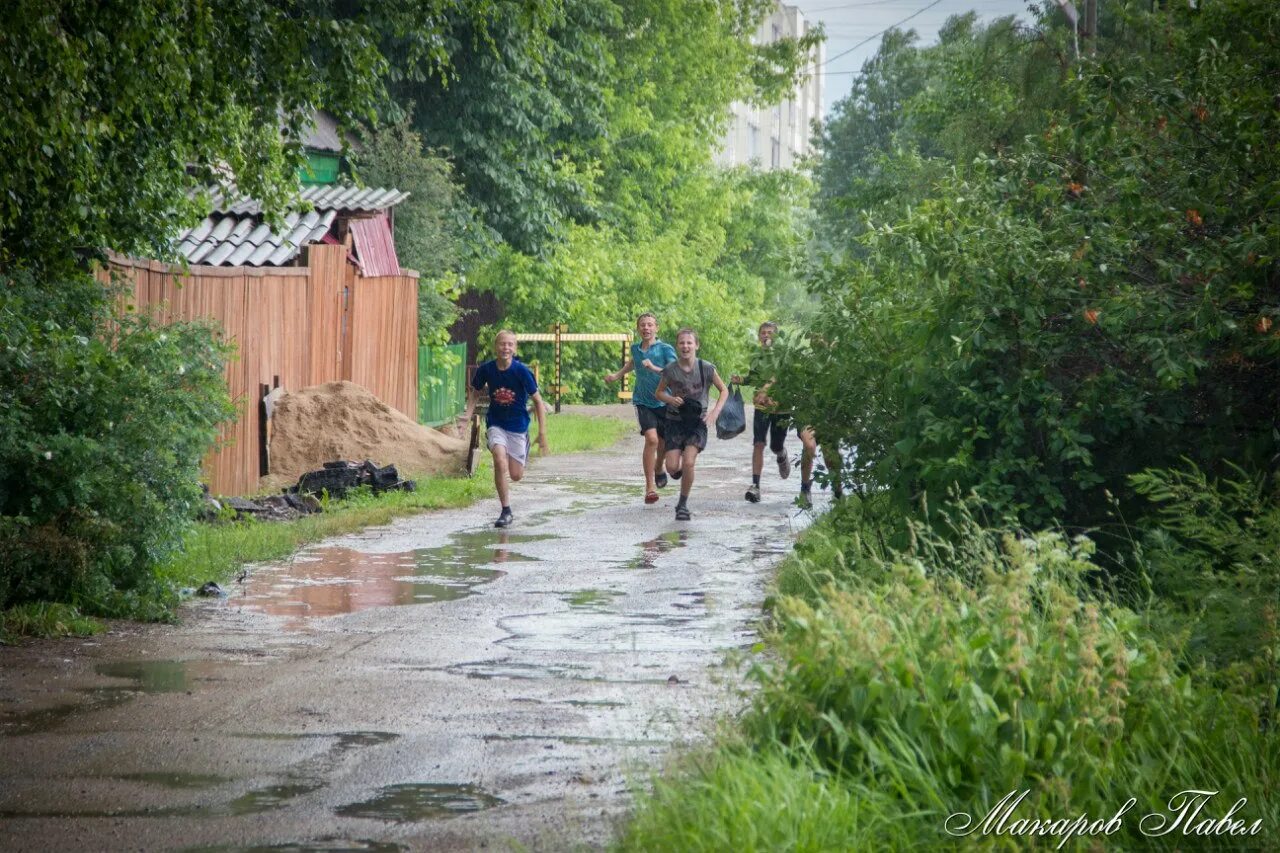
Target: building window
x=753 y=142
x=776 y=157
x=777 y=33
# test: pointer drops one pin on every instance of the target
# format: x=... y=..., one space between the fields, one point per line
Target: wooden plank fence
x=301 y=326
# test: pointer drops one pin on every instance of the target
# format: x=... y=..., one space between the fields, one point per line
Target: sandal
x=651 y=498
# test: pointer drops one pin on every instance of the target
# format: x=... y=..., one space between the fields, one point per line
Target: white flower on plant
x=182 y=368
x=48 y=454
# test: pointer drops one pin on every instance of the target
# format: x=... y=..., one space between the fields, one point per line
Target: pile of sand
x=342 y=420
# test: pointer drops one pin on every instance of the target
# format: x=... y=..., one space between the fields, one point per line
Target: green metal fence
x=442 y=383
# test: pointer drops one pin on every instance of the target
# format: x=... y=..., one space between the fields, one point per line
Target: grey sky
x=849 y=22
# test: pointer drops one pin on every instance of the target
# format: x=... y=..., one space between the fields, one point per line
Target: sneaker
x=753 y=494
x=505 y=519
x=682 y=513
x=660 y=480
x=803 y=500
x=784 y=466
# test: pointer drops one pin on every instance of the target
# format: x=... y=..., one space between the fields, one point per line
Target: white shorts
x=516 y=443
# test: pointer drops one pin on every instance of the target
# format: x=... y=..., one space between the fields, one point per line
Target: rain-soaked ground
x=434 y=684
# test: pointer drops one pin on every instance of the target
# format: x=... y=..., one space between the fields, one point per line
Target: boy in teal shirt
x=648 y=356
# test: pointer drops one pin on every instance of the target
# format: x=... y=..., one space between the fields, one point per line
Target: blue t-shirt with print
x=661 y=354
x=509 y=392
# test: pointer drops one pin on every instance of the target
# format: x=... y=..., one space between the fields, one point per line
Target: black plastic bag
x=733 y=417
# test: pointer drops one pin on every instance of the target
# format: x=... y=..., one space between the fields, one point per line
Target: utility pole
x=1083 y=25
x=1091 y=24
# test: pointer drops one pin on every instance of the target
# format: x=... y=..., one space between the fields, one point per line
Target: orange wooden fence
x=305 y=325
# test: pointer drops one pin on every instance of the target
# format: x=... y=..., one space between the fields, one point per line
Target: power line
x=831 y=59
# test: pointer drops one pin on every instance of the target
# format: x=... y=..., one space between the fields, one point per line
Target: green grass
x=573 y=433
x=898 y=688
x=46 y=619
x=216 y=552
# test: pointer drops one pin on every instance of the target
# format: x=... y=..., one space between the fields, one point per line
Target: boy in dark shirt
x=510 y=386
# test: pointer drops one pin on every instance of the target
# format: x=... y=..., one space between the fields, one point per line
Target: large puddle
x=421 y=801
x=146 y=676
x=331 y=581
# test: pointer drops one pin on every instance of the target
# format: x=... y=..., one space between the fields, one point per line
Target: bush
x=911 y=685
x=1046 y=315
x=957 y=673
x=1212 y=554
x=104 y=420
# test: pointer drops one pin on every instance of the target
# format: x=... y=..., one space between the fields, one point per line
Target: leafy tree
x=1051 y=316
x=522 y=94
x=670 y=233
x=115 y=112
x=436 y=232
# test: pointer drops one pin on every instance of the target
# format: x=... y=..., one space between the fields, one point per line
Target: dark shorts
x=651 y=418
x=679 y=435
x=773 y=426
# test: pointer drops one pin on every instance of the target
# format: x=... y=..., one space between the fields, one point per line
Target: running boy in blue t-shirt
x=648 y=356
x=511 y=385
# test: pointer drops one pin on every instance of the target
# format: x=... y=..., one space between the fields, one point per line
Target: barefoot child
x=648 y=357
x=510 y=385
x=683 y=388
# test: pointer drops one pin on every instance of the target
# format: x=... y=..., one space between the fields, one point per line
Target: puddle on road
x=176 y=781
x=48 y=719
x=259 y=800
x=576 y=740
x=303 y=778
x=148 y=676
x=591 y=599
x=604 y=632
x=332 y=581
x=161 y=676
x=322 y=845
x=421 y=801
x=651 y=550
x=517 y=671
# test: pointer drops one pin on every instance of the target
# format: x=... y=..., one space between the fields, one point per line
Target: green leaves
x=1070 y=287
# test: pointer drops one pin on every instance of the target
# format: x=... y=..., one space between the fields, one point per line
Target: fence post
x=560 y=328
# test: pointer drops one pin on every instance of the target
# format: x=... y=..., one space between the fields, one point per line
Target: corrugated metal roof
x=375 y=250
x=322 y=197
x=322 y=133
x=232 y=240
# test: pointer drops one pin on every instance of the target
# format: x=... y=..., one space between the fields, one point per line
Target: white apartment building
x=775 y=137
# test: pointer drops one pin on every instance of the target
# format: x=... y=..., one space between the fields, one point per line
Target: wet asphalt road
x=432 y=685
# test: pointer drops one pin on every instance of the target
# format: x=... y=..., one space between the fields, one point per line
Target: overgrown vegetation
x=1047 y=287
x=910 y=686
x=104 y=420
x=217 y=551
x=1077 y=284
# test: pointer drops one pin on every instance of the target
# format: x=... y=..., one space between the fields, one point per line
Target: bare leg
x=807 y=455
x=650 y=458
x=690 y=459
x=500 y=473
x=673 y=461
